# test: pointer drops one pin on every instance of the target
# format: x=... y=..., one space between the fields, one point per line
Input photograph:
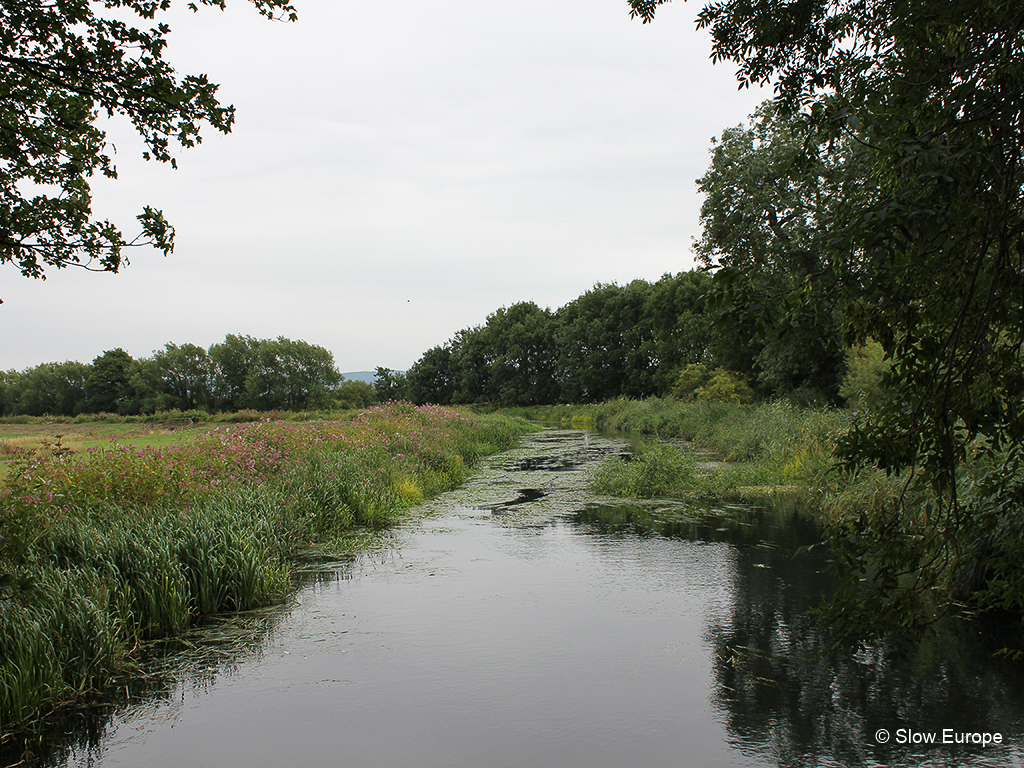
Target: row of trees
x=240 y=372
x=613 y=341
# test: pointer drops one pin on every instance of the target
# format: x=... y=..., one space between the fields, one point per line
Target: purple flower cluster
x=253 y=453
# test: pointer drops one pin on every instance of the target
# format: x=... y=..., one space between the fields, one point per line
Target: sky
x=398 y=171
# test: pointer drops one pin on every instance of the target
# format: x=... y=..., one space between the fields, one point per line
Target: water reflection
x=786 y=699
x=528 y=623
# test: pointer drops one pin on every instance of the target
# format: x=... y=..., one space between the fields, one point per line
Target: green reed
x=102 y=552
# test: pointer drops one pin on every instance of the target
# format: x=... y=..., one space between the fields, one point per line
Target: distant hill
x=366 y=376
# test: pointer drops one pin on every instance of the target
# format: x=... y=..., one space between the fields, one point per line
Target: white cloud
x=398 y=171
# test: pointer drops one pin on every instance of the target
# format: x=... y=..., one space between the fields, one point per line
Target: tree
x=187 y=374
x=769 y=211
x=290 y=375
x=354 y=394
x=232 y=360
x=63 y=65
x=677 y=326
x=612 y=341
x=431 y=379
x=928 y=260
x=389 y=385
x=108 y=385
x=8 y=382
x=520 y=356
x=50 y=389
x=470 y=365
x=147 y=388
x=596 y=336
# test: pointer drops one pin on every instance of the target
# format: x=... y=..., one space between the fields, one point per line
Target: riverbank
x=734 y=452
x=899 y=573
x=517 y=618
x=104 y=550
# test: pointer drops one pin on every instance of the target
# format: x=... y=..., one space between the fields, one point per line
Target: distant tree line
x=638 y=340
x=239 y=373
x=613 y=341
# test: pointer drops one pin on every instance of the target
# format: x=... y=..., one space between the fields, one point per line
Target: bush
x=656 y=470
x=863 y=386
x=696 y=382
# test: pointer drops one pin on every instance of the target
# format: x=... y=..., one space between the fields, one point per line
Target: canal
x=521 y=621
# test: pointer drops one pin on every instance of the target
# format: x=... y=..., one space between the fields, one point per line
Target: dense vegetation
x=731 y=452
x=613 y=341
x=237 y=374
x=104 y=550
x=880 y=199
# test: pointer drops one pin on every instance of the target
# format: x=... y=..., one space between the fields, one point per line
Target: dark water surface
x=526 y=623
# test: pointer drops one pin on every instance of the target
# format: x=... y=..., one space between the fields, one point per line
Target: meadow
x=107 y=544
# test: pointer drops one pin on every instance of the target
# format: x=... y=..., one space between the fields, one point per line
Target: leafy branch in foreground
x=63 y=66
x=919 y=109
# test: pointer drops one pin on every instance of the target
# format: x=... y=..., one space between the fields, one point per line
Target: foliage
x=866 y=368
x=108 y=385
x=726 y=387
x=508 y=360
x=186 y=374
x=918 y=108
x=289 y=375
x=48 y=389
x=240 y=373
x=697 y=382
x=389 y=385
x=691 y=378
x=610 y=342
x=768 y=214
x=64 y=65
x=431 y=379
x=354 y=394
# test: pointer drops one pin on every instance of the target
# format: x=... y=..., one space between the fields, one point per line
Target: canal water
x=523 y=622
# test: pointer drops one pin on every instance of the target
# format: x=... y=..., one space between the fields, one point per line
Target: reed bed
x=751 y=453
x=743 y=452
x=103 y=550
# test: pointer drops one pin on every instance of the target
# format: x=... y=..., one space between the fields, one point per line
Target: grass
x=712 y=450
x=105 y=549
x=44 y=437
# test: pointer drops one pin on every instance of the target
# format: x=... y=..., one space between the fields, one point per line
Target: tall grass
x=103 y=550
x=745 y=452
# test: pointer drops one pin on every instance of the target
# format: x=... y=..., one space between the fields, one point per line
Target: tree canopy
x=907 y=116
x=238 y=373
x=612 y=341
x=63 y=66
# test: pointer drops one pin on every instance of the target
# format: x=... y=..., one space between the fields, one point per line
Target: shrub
x=696 y=382
x=863 y=385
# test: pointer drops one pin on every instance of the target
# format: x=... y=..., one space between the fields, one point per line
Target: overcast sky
x=398 y=171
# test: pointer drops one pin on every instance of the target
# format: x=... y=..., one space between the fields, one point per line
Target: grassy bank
x=743 y=452
x=899 y=572
x=105 y=549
